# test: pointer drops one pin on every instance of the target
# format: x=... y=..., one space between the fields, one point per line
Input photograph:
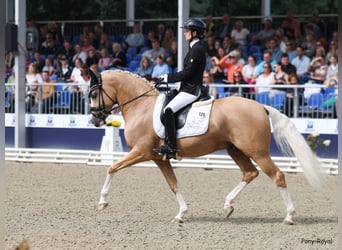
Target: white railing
x=88 y=157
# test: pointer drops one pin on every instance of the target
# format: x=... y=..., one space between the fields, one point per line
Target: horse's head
x=101 y=104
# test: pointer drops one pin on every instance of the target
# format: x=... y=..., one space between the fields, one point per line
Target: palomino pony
x=239 y=125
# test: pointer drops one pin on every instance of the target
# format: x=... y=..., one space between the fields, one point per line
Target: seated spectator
x=209 y=80
x=160 y=32
x=309 y=44
x=79 y=53
x=225 y=27
x=210 y=46
x=318 y=70
x=301 y=62
x=33 y=78
x=290 y=95
x=64 y=71
x=264 y=81
x=38 y=61
x=332 y=50
x=249 y=72
x=239 y=33
x=49 y=66
x=273 y=46
x=231 y=63
x=67 y=50
x=282 y=39
x=86 y=45
x=211 y=27
x=216 y=71
x=105 y=59
x=172 y=58
x=228 y=44
x=220 y=53
x=135 y=39
x=333 y=66
x=263 y=35
x=280 y=78
x=118 y=58
x=47 y=93
x=156 y=51
x=238 y=80
x=76 y=71
x=267 y=58
x=92 y=58
x=151 y=36
x=286 y=66
x=48 y=46
x=145 y=69
x=105 y=42
x=168 y=38
x=290 y=50
x=160 y=68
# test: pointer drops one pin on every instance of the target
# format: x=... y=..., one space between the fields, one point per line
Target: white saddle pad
x=197 y=120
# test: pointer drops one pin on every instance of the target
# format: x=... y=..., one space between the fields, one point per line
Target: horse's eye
x=93 y=95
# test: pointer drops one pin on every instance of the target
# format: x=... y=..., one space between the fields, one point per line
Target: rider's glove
x=163 y=78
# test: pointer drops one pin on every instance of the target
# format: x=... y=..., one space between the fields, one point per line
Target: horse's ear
x=95 y=79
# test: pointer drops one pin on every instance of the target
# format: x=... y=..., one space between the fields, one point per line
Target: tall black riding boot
x=170 y=147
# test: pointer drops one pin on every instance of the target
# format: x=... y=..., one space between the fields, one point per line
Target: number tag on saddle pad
x=196 y=123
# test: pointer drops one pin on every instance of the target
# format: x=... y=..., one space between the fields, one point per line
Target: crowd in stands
x=290 y=53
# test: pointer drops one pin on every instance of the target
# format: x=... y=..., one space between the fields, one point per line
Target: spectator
x=332 y=50
x=249 y=71
x=151 y=37
x=263 y=35
x=49 y=66
x=301 y=62
x=225 y=27
x=67 y=50
x=286 y=66
x=267 y=58
x=119 y=58
x=264 y=80
x=172 y=59
x=210 y=46
x=333 y=66
x=238 y=80
x=280 y=78
x=49 y=46
x=92 y=58
x=135 y=39
x=290 y=50
x=332 y=82
x=65 y=70
x=38 y=61
x=273 y=46
x=293 y=22
x=33 y=78
x=216 y=71
x=240 y=34
x=299 y=38
x=309 y=44
x=156 y=51
x=76 y=92
x=231 y=63
x=209 y=80
x=76 y=71
x=290 y=95
x=318 y=70
x=168 y=38
x=105 y=59
x=55 y=32
x=160 y=68
x=48 y=93
x=160 y=32
x=84 y=85
x=228 y=44
x=289 y=32
x=282 y=39
x=79 y=53
x=211 y=27
x=145 y=69
x=86 y=45
x=105 y=42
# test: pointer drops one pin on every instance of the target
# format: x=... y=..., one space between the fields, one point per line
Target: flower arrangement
x=114 y=123
x=315 y=141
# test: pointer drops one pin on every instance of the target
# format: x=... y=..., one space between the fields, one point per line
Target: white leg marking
x=289 y=205
x=105 y=189
x=183 y=208
x=234 y=193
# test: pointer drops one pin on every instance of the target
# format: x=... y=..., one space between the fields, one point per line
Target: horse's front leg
x=171 y=179
x=130 y=159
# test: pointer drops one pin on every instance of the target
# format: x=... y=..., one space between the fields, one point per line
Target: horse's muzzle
x=98 y=122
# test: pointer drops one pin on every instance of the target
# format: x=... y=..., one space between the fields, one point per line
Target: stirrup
x=167 y=152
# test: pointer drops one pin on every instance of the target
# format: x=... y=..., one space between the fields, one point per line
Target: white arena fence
x=89 y=157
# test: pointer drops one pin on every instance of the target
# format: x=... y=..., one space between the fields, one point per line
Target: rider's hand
x=163 y=78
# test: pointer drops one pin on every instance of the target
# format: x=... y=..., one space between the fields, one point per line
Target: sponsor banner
x=57 y=121
x=304 y=125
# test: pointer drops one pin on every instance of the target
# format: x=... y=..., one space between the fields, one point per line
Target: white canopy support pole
x=183 y=14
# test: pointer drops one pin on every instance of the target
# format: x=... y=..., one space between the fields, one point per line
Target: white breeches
x=181 y=100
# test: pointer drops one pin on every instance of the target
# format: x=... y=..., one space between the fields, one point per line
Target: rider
x=190 y=79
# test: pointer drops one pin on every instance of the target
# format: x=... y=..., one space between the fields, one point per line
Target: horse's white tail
x=291 y=142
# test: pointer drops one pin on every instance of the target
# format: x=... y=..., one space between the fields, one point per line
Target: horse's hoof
x=228 y=211
x=288 y=222
x=177 y=220
x=102 y=206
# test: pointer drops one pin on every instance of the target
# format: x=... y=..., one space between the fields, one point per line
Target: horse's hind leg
x=278 y=177
x=171 y=179
x=249 y=173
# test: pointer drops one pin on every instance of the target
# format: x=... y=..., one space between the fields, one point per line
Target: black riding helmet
x=195 y=24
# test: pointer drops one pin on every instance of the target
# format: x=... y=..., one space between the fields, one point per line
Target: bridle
x=100 y=111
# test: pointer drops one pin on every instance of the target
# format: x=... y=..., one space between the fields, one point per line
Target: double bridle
x=101 y=111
